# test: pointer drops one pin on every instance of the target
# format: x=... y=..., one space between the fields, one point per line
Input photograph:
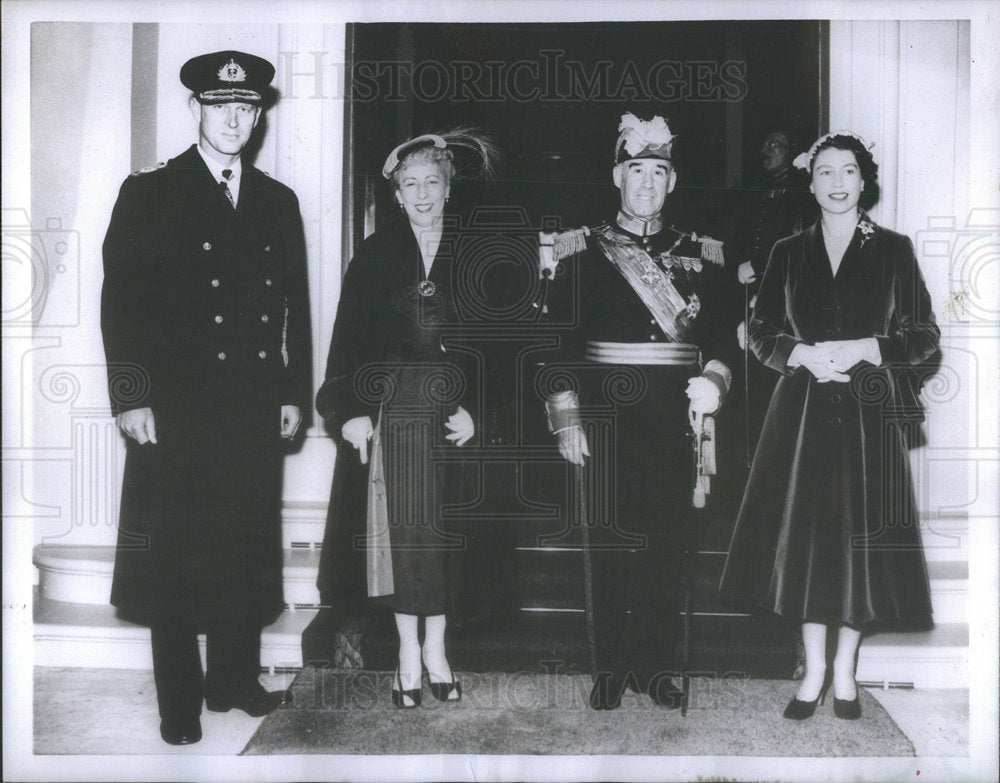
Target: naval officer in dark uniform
x=205 y=318
x=640 y=366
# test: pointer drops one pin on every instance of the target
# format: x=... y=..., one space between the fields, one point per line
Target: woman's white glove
x=819 y=360
x=358 y=431
x=847 y=353
x=461 y=427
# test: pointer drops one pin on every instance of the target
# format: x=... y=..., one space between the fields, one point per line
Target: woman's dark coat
x=828 y=528
x=395 y=352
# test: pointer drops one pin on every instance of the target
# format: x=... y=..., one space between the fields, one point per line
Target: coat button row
x=222 y=355
x=216 y=282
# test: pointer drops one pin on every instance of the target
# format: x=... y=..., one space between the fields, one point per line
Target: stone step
x=938 y=658
x=92 y=636
x=303 y=523
x=82 y=574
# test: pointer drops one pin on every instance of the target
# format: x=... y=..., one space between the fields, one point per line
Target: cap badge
x=232 y=72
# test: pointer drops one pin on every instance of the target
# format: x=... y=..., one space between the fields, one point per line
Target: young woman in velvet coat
x=827 y=532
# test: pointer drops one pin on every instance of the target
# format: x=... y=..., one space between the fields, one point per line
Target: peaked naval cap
x=227 y=77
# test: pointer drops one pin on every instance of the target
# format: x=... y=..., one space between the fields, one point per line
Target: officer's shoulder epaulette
x=568 y=243
x=147 y=169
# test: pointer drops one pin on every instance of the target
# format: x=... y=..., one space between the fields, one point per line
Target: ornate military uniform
x=646 y=321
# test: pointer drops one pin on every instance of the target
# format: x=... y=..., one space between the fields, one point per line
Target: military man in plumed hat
x=630 y=398
x=205 y=318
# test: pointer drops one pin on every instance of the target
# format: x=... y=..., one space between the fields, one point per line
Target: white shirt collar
x=217 y=168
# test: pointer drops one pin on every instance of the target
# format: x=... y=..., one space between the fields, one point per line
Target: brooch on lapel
x=867 y=229
x=426 y=288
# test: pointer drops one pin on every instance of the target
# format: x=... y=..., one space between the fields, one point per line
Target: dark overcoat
x=827 y=531
x=394 y=353
x=205 y=318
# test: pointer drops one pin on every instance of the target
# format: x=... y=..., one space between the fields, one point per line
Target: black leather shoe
x=255 y=702
x=800 y=710
x=399 y=696
x=607 y=693
x=664 y=693
x=442 y=690
x=180 y=731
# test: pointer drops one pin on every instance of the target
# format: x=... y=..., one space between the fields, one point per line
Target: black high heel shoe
x=800 y=710
x=398 y=694
x=442 y=690
x=848 y=709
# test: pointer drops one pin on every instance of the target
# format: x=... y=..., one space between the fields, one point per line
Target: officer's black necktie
x=227 y=173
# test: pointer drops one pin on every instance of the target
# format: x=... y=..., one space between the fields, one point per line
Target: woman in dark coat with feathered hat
x=827 y=533
x=398 y=395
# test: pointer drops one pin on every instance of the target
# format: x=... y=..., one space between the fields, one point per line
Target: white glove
x=704 y=396
x=573 y=444
x=847 y=353
x=358 y=431
x=745 y=273
x=818 y=360
x=461 y=425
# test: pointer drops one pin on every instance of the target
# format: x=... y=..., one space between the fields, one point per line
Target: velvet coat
x=828 y=531
x=205 y=318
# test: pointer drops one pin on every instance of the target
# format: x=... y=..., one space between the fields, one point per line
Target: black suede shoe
x=607 y=693
x=186 y=731
x=255 y=702
x=662 y=691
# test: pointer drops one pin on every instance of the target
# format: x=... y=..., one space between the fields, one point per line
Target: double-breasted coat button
x=264 y=319
x=222 y=356
x=835 y=421
x=652 y=337
x=218 y=319
x=262 y=354
x=207 y=246
x=267 y=281
x=215 y=283
x=835 y=398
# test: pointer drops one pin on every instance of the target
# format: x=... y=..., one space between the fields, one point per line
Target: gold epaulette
x=147 y=169
x=568 y=243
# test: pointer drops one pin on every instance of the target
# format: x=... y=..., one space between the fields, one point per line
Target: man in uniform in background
x=644 y=357
x=205 y=318
x=784 y=206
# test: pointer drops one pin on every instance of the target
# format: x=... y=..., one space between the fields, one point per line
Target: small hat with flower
x=804 y=160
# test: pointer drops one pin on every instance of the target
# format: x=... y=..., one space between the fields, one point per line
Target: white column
x=71 y=454
x=905 y=85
